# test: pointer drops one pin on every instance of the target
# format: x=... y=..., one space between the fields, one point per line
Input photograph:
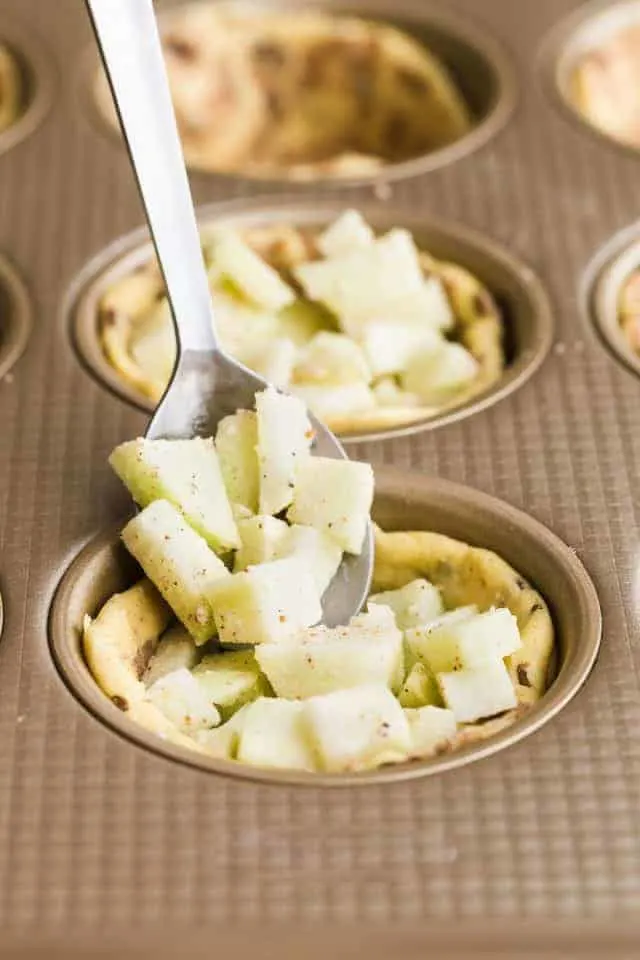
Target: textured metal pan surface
x=97 y=834
x=37 y=78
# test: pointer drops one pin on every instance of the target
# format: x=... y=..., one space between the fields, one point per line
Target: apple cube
x=437 y=376
x=334 y=496
x=259 y=282
x=357 y=729
x=426 y=307
x=180 y=564
x=469 y=642
x=302 y=319
x=321 y=660
x=335 y=400
x=263 y=539
x=284 y=444
x=417 y=638
x=417 y=603
x=273 y=735
x=387 y=393
x=389 y=346
x=222 y=742
x=357 y=285
x=430 y=728
x=479 y=693
x=332 y=358
x=180 y=698
x=266 y=603
x=275 y=362
x=187 y=474
x=315 y=548
x=153 y=346
x=230 y=680
x=349 y=232
x=175 y=650
x=236 y=442
x=420 y=688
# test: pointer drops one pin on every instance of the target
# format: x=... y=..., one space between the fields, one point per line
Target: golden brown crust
x=471 y=575
x=629 y=310
x=10 y=88
x=270 y=94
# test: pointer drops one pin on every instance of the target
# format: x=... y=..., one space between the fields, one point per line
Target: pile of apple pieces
x=369 y=330
x=247 y=673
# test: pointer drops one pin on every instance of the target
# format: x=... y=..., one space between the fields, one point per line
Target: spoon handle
x=127 y=35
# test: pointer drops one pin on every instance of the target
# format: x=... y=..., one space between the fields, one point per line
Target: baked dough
x=301 y=95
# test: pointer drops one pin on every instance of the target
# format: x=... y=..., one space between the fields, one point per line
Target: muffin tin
x=100 y=832
x=519 y=293
x=478 y=64
x=605 y=278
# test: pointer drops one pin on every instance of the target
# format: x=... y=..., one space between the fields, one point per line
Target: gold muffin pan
x=528 y=319
x=591 y=25
x=103 y=568
x=15 y=316
x=37 y=76
x=478 y=63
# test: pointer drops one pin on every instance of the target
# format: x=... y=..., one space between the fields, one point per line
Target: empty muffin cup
x=611 y=297
x=402 y=503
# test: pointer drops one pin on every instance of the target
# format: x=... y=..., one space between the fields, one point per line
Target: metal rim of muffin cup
x=528 y=316
x=15 y=316
x=38 y=78
x=600 y=294
x=561 y=50
x=103 y=567
x=479 y=64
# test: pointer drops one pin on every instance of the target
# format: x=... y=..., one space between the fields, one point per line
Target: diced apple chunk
x=334 y=496
x=230 y=680
x=222 y=742
x=387 y=393
x=263 y=538
x=273 y=735
x=236 y=442
x=358 y=284
x=180 y=698
x=175 y=650
x=426 y=306
x=275 y=362
x=479 y=693
x=420 y=688
x=357 y=729
x=266 y=603
x=436 y=376
x=284 y=443
x=259 y=282
x=335 y=400
x=331 y=358
x=470 y=642
x=321 y=660
x=180 y=564
x=315 y=548
x=301 y=320
x=349 y=232
x=187 y=474
x=418 y=638
x=417 y=603
x=153 y=346
x=389 y=346
x=430 y=728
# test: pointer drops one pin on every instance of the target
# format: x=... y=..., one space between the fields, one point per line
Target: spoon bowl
x=207 y=385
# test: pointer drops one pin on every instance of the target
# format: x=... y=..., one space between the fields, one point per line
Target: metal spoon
x=206 y=385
